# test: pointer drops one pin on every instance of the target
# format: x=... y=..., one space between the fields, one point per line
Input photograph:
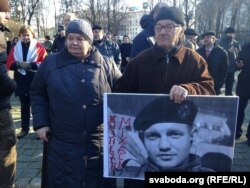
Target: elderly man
x=168 y=67
x=216 y=58
x=7 y=130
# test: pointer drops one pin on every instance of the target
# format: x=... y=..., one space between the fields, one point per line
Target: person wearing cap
x=145 y=39
x=107 y=48
x=67 y=101
x=243 y=89
x=190 y=38
x=232 y=47
x=24 y=59
x=166 y=130
x=217 y=59
x=168 y=67
x=8 y=153
x=59 y=41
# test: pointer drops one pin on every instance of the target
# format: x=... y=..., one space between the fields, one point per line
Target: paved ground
x=30 y=155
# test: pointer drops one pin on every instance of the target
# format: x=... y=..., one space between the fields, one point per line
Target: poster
x=145 y=132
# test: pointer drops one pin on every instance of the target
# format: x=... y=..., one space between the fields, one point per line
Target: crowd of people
x=62 y=82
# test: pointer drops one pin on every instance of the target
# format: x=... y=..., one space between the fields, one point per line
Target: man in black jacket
x=7 y=130
x=216 y=58
x=243 y=89
x=232 y=47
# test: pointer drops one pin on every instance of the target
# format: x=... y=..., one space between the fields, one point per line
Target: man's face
x=125 y=39
x=208 y=40
x=167 y=144
x=66 y=20
x=77 y=45
x=167 y=33
x=98 y=34
x=4 y=17
x=230 y=35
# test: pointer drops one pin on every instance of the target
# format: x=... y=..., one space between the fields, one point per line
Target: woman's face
x=77 y=45
x=4 y=17
x=26 y=37
x=168 y=144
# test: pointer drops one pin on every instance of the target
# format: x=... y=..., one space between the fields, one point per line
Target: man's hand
x=178 y=94
x=42 y=133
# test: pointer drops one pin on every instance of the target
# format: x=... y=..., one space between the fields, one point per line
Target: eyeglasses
x=169 y=27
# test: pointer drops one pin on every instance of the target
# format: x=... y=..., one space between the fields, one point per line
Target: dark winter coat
x=125 y=52
x=227 y=43
x=7 y=85
x=243 y=88
x=217 y=65
x=145 y=39
x=154 y=71
x=58 y=43
x=67 y=95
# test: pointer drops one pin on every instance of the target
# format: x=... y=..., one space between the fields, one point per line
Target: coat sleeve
x=39 y=98
x=203 y=83
x=112 y=71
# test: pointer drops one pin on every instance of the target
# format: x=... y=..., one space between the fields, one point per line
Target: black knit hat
x=171 y=13
x=81 y=27
x=230 y=30
x=208 y=33
x=165 y=110
x=4 y=6
x=190 y=32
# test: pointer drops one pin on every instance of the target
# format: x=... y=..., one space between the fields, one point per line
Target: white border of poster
x=213 y=142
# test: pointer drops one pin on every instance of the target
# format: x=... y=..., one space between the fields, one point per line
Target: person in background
x=24 y=59
x=243 y=89
x=232 y=47
x=13 y=42
x=216 y=58
x=125 y=48
x=107 y=48
x=168 y=67
x=48 y=44
x=69 y=16
x=108 y=36
x=8 y=153
x=59 y=41
x=67 y=101
x=190 y=39
x=145 y=39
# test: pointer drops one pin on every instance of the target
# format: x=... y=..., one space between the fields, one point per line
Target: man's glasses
x=169 y=27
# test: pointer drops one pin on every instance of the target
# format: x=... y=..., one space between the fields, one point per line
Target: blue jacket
x=145 y=39
x=67 y=95
x=109 y=49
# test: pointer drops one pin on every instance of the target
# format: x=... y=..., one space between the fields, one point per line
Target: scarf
x=31 y=56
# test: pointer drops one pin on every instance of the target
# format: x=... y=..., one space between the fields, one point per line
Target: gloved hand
x=24 y=65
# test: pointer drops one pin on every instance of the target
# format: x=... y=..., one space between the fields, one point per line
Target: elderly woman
x=67 y=101
x=24 y=59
